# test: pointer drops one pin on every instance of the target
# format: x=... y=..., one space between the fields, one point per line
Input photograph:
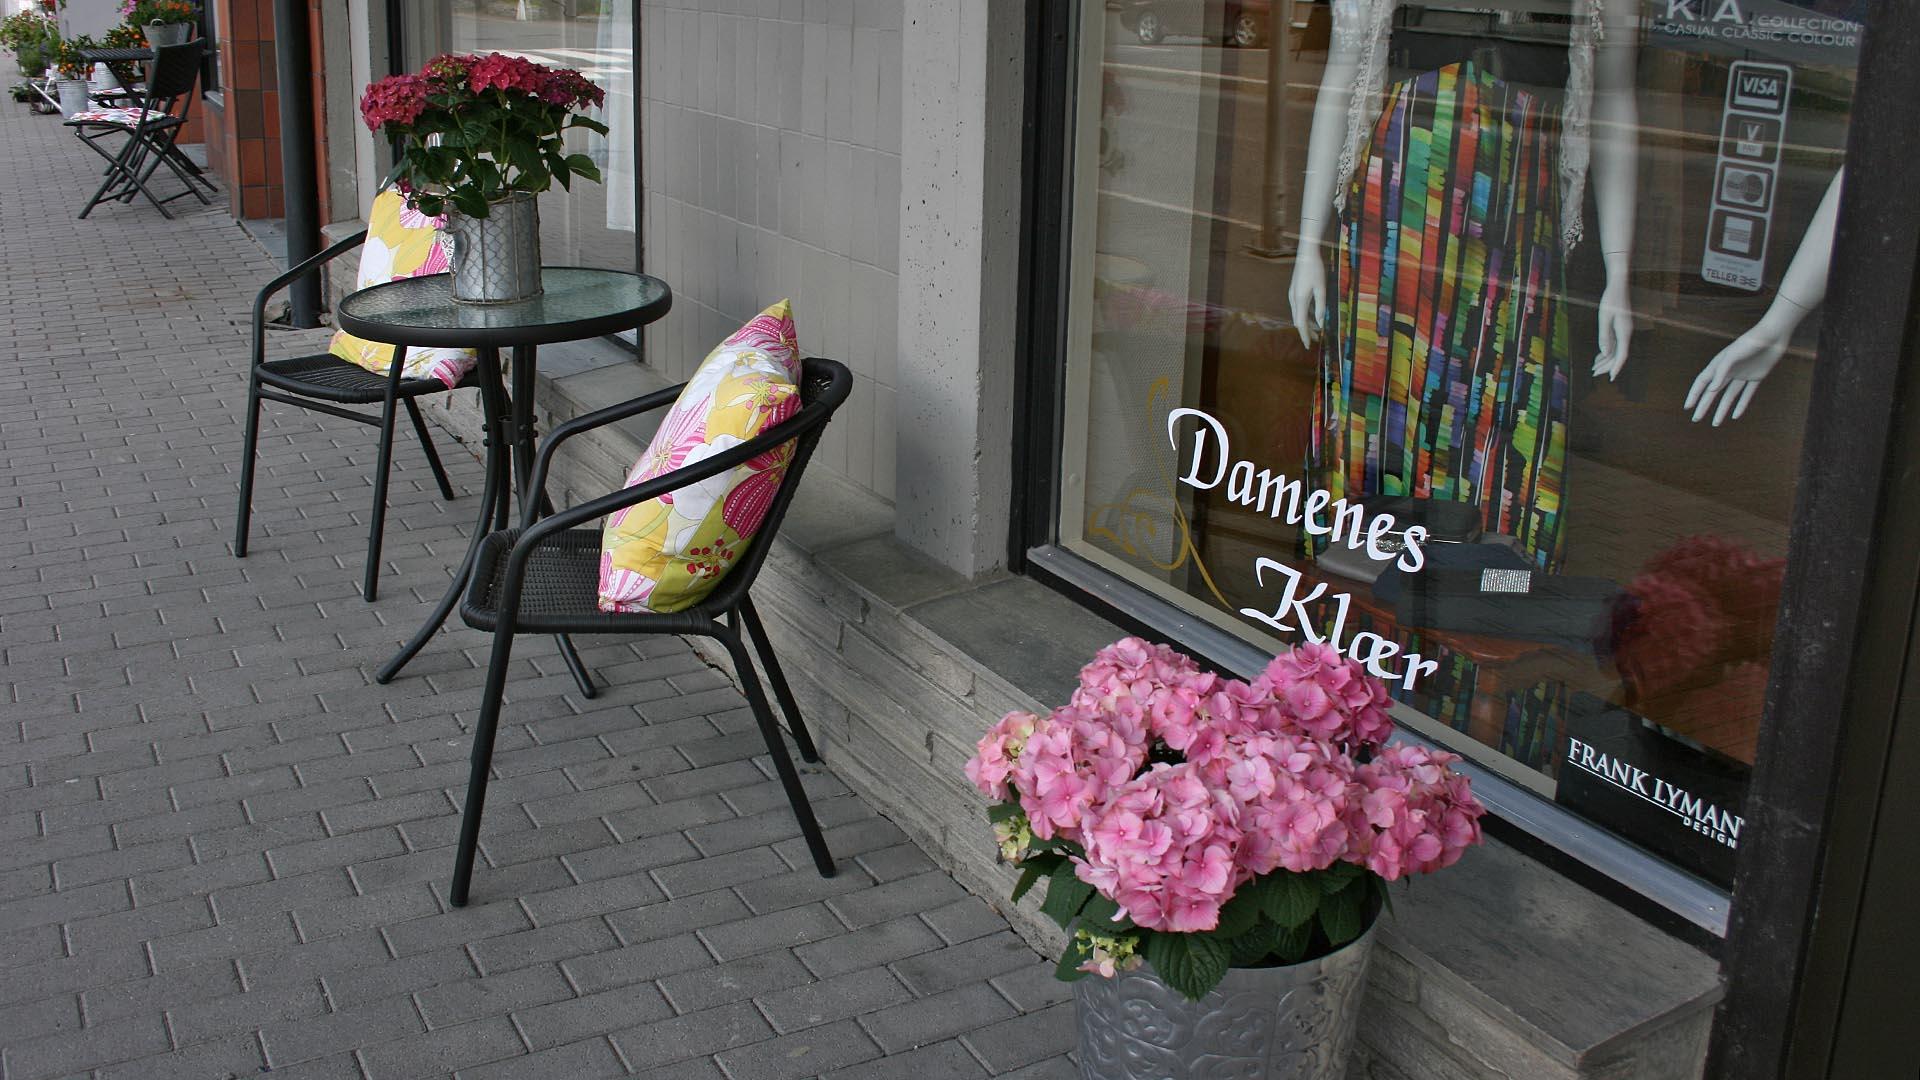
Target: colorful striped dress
x=1445 y=374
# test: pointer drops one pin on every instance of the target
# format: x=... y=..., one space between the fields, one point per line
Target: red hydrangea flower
x=498 y=71
x=396 y=100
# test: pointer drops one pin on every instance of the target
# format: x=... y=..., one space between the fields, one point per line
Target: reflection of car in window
x=1239 y=22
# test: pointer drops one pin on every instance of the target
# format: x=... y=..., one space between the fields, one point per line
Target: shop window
x=591 y=224
x=1474 y=339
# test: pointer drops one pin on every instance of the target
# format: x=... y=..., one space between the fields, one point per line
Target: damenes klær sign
x=1210 y=464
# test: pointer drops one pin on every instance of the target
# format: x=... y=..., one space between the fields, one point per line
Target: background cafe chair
x=150 y=127
x=327 y=382
x=543 y=578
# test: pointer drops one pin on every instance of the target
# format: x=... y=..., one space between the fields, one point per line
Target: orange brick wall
x=243 y=132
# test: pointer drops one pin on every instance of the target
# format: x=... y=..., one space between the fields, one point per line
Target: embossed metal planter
x=1279 y=1023
x=496 y=259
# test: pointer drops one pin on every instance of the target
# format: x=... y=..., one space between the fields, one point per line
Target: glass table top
x=577 y=302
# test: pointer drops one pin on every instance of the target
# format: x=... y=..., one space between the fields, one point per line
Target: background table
x=576 y=303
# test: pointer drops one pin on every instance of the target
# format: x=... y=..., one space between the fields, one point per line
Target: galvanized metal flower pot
x=496 y=259
x=72 y=94
x=159 y=34
x=1294 y=1022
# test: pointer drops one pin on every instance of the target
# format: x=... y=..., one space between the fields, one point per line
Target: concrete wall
x=94 y=17
x=771 y=168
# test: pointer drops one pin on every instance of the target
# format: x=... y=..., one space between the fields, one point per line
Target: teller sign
x=1745 y=177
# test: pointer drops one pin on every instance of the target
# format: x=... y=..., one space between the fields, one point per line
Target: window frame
x=396 y=45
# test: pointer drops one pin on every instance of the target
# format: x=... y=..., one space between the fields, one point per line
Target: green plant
x=67 y=59
x=478 y=129
x=28 y=31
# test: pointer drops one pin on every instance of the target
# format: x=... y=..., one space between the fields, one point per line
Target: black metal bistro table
x=576 y=303
x=120 y=62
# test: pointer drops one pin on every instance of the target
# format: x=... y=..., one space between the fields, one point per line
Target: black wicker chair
x=151 y=126
x=325 y=383
x=543 y=578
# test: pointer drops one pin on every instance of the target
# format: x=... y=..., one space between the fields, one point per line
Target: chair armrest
x=587 y=422
x=793 y=428
x=289 y=277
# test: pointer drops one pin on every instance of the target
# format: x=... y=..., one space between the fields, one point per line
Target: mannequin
x=1731 y=378
x=1454 y=384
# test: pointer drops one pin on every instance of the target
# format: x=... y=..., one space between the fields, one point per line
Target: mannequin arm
x=1616 y=177
x=1732 y=377
x=1307 y=295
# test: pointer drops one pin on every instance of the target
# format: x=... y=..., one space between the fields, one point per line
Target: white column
x=961 y=94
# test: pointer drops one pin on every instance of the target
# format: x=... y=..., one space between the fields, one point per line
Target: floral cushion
x=667 y=554
x=122 y=116
x=402 y=242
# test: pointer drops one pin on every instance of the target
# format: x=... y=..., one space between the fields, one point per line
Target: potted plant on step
x=164 y=22
x=482 y=136
x=1218 y=851
x=71 y=70
x=28 y=34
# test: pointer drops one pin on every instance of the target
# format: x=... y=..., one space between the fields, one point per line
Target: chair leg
x=370 y=587
x=781 y=691
x=252 y=443
x=109 y=184
x=777 y=749
x=576 y=667
x=433 y=455
x=482 y=763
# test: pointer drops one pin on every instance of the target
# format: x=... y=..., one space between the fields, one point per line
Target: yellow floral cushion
x=667 y=554
x=401 y=243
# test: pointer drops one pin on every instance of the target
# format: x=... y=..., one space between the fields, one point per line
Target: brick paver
x=223 y=849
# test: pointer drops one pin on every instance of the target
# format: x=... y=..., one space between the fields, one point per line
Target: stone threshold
x=1499 y=967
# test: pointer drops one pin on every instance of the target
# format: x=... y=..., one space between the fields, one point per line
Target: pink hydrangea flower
x=997 y=750
x=1073 y=760
x=1132 y=667
x=1328 y=695
x=1416 y=814
x=1162 y=846
x=1293 y=792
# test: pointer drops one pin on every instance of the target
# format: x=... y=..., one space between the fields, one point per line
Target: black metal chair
x=543 y=578
x=151 y=127
x=325 y=383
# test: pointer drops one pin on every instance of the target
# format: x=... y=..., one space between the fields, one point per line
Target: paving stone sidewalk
x=224 y=850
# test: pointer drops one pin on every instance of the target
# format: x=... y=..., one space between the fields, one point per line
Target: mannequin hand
x=1616 y=329
x=1307 y=295
x=1732 y=377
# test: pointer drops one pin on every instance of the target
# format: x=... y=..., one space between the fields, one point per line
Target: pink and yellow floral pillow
x=401 y=243
x=667 y=554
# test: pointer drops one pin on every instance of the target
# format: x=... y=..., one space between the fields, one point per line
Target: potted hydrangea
x=481 y=137
x=1218 y=850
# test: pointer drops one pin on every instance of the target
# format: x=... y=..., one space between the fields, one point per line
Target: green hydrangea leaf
x=1192 y=964
x=1342 y=915
x=1066 y=894
x=1288 y=899
x=1239 y=914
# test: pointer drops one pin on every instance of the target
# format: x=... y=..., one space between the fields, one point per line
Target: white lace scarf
x=1372 y=20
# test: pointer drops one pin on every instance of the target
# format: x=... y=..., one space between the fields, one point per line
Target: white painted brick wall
x=772 y=138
